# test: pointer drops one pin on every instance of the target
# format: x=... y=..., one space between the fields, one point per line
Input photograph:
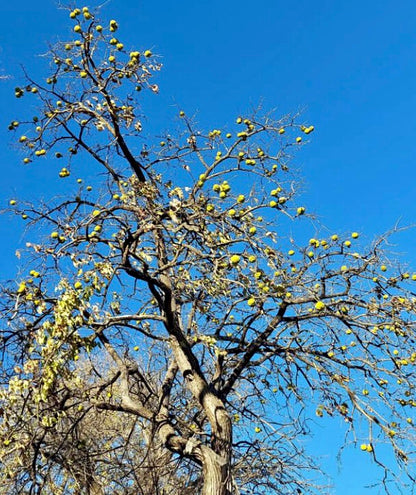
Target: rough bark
x=216 y=472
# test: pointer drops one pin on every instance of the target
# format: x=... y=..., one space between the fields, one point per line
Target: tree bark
x=216 y=473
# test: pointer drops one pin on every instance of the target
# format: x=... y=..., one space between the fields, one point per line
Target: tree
x=167 y=336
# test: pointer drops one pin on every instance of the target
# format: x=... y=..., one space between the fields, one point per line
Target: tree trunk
x=216 y=473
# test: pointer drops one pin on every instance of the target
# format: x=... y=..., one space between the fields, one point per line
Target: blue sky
x=350 y=66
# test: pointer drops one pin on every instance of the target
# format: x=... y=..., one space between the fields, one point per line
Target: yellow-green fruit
x=383 y=268
x=239 y=120
x=99 y=28
x=181 y=113
x=22 y=287
x=54 y=235
x=257 y=429
x=251 y=302
x=12 y=202
x=77 y=28
x=319 y=305
x=111 y=58
x=235 y=259
x=334 y=237
x=273 y=204
x=136 y=348
x=355 y=235
x=232 y=213
x=95 y=213
x=301 y=210
x=83 y=74
x=281 y=131
x=119 y=46
x=147 y=53
x=252 y=230
x=78 y=285
x=298 y=139
x=252 y=258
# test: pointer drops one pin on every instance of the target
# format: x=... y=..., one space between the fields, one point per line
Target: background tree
x=167 y=334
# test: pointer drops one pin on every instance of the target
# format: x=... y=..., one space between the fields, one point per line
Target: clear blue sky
x=351 y=66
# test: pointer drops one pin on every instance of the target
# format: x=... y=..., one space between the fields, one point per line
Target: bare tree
x=167 y=334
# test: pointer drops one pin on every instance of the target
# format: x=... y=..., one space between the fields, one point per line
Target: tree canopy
x=167 y=334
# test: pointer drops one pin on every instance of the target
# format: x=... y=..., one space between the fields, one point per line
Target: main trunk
x=216 y=473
